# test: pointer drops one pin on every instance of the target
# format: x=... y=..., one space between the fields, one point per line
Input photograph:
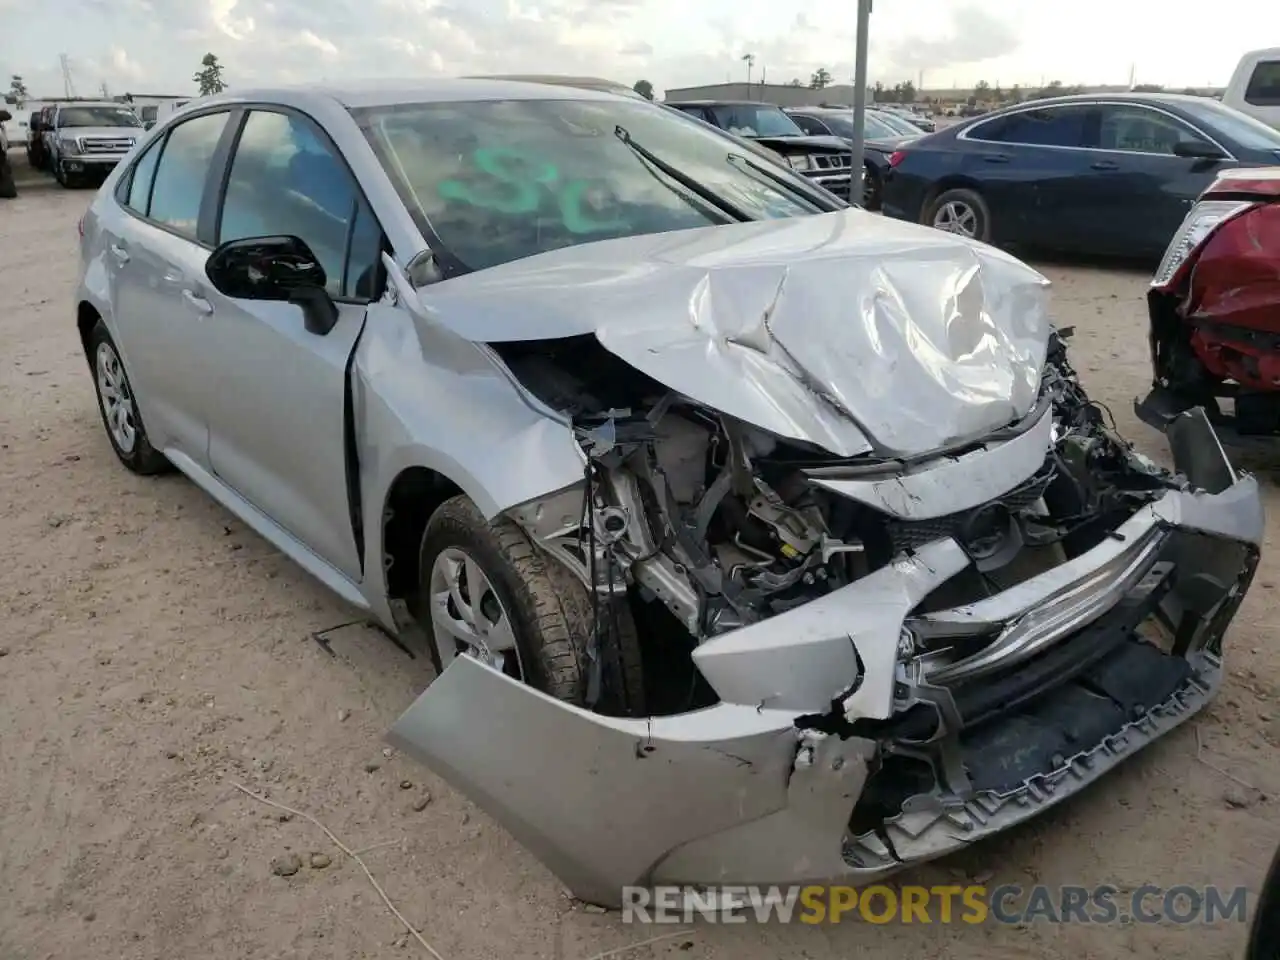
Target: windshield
x=496 y=181
x=97 y=117
x=873 y=129
x=755 y=120
x=1243 y=129
x=901 y=124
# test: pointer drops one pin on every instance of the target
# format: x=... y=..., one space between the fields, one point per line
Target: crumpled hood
x=846 y=330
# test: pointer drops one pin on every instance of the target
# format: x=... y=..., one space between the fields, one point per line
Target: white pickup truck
x=1255 y=86
x=86 y=139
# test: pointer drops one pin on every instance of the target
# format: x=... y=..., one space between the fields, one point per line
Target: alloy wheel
x=117 y=399
x=468 y=616
x=957 y=217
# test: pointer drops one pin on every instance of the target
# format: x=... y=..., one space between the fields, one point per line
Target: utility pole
x=859 y=102
x=68 y=88
x=750 y=59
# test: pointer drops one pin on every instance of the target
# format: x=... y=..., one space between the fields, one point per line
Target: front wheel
x=486 y=591
x=8 y=187
x=871 y=189
x=960 y=211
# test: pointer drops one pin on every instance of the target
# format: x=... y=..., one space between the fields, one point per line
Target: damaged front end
x=1214 y=307
x=853 y=663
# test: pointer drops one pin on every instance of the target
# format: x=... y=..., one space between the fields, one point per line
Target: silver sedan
x=755 y=538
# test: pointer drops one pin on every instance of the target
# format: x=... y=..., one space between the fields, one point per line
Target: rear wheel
x=486 y=591
x=962 y=212
x=119 y=407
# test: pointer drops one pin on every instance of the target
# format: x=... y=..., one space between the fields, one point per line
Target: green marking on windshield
x=513 y=185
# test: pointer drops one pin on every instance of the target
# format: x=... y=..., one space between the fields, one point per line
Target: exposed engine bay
x=726 y=525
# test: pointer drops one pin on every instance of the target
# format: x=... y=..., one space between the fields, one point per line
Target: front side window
x=1264 y=85
x=96 y=116
x=873 y=129
x=810 y=125
x=286 y=180
x=900 y=124
x=754 y=120
x=1049 y=127
x=496 y=181
x=1140 y=130
x=182 y=171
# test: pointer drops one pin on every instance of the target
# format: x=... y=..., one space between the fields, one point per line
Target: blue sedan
x=1111 y=174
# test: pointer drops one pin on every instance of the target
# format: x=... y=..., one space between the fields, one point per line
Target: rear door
x=1029 y=164
x=278 y=419
x=156 y=256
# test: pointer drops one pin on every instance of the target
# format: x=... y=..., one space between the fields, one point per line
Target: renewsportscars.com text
x=945 y=904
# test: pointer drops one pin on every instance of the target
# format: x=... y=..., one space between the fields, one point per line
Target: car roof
x=90 y=103
x=386 y=93
x=719 y=103
x=1171 y=99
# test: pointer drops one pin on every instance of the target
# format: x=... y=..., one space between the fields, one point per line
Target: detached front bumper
x=821 y=721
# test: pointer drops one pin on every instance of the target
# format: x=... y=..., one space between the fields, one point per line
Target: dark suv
x=37 y=154
x=824 y=160
x=8 y=189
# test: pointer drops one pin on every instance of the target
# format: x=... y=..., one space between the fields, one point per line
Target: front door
x=1143 y=186
x=278 y=420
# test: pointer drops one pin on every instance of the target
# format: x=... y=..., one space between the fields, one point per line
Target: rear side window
x=1264 y=86
x=182 y=171
x=1051 y=127
x=138 y=198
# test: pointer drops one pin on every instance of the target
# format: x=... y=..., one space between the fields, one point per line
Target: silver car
x=755 y=538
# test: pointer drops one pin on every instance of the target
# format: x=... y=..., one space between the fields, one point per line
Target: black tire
x=871 y=192
x=8 y=188
x=550 y=608
x=143 y=458
x=1264 y=938
x=962 y=197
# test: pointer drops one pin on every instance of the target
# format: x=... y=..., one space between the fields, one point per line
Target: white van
x=1255 y=86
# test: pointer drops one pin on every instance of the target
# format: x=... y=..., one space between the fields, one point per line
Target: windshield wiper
x=693 y=186
x=776 y=180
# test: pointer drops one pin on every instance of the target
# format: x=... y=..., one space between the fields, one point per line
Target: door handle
x=120 y=253
x=996 y=157
x=1105 y=165
x=197 y=303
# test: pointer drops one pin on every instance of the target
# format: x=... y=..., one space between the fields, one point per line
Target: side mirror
x=1197 y=150
x=274 y=268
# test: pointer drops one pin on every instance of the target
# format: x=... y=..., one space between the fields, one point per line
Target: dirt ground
x=155 y=651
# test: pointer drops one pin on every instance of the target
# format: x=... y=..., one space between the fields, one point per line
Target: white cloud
x=669 y=42
x=308 y=39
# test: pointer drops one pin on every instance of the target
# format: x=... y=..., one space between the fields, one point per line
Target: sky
x=155 y=46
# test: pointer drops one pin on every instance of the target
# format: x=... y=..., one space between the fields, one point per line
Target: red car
x=1214 y=305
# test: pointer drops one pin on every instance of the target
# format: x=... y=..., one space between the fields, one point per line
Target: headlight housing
x=69 y=144
x=1204 y=218
x=800 y=161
